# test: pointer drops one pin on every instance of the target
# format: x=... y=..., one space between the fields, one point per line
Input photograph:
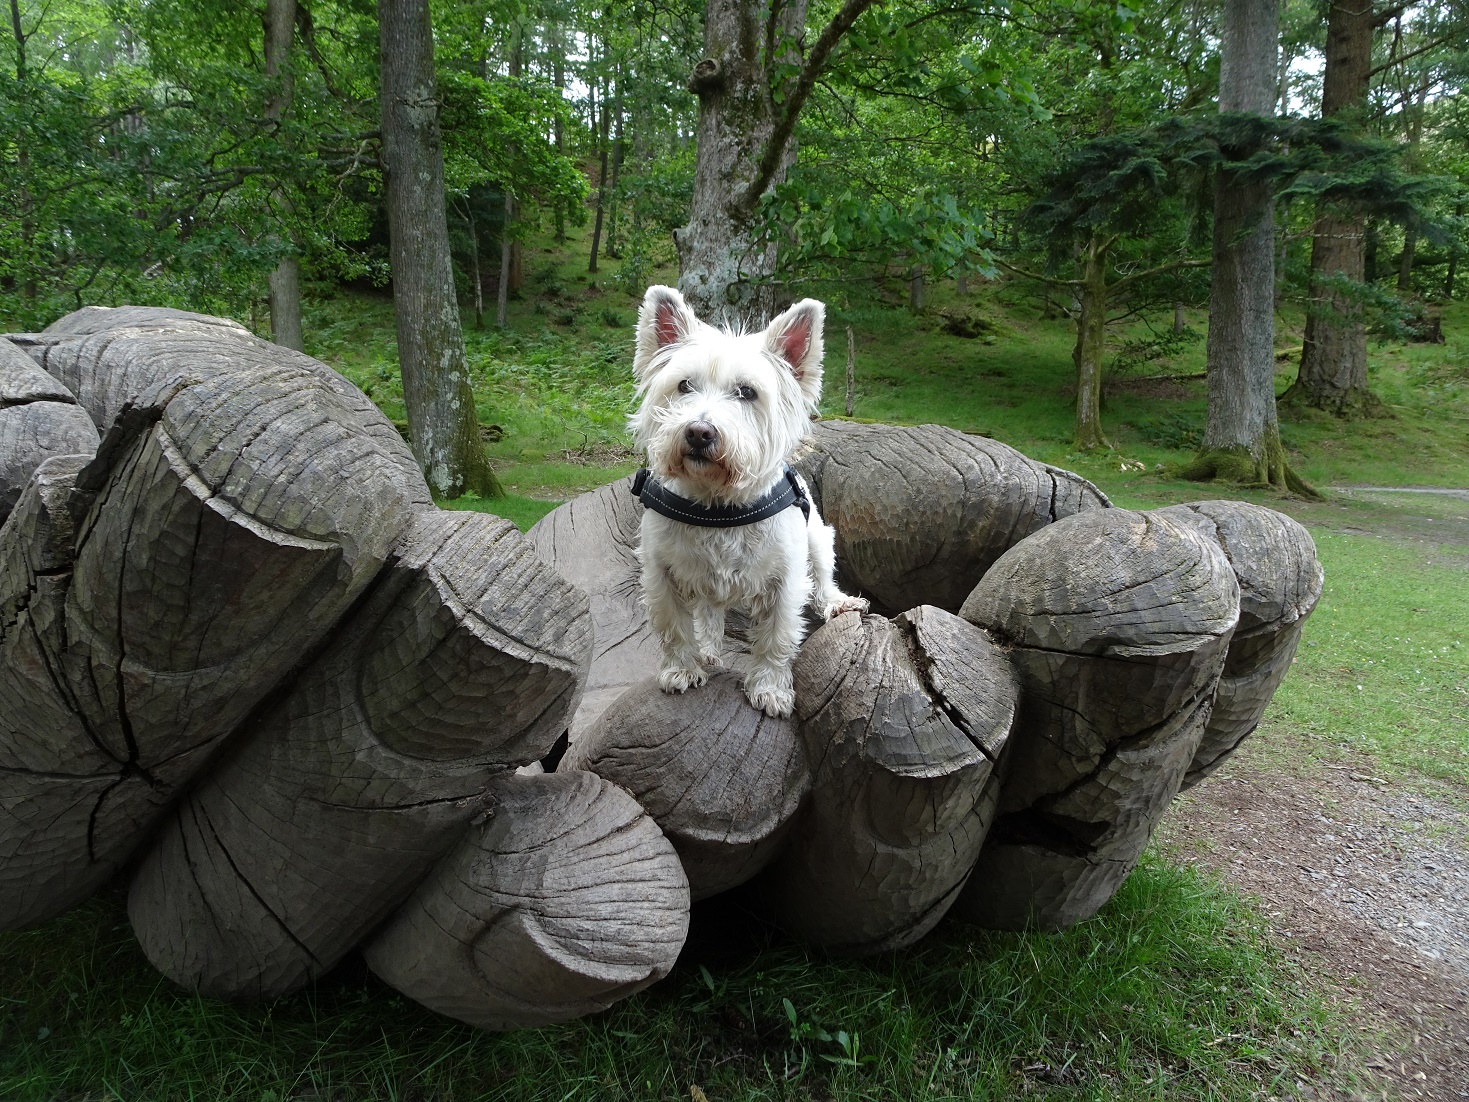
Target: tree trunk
x=1448 y=283
x=558 y=77
x=1179 y=321
x=1333 y=374
x=440 y=403
x=285 y=281
x=601 y=185
x=1091 y=342
x=479 y=281
x=23 y=160
x=617 y=153
x=1242 y=436
x=723 y=266
x=1405 y=261
x=915 y=289
x=1369 y=260
x=502 y=291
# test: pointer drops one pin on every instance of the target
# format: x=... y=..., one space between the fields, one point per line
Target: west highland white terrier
x=728 y=522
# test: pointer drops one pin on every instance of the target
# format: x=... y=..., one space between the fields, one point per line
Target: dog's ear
x=663 y=319
x=795 y=337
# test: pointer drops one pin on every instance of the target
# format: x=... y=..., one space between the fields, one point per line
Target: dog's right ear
x=663 y=319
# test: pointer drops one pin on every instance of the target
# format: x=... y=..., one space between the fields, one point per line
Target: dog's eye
x=685 y=387
x=746 y=392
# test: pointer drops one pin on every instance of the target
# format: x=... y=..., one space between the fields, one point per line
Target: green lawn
x=1173 y=991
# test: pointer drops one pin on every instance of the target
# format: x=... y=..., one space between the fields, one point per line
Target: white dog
x=728 y=523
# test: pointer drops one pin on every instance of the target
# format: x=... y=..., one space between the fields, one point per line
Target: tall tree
x=285 y=281
x=1333 y=373
x=752 y=84
x=442 y=425
x=1242 y=435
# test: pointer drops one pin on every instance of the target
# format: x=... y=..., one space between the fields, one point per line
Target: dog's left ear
x=795 y=337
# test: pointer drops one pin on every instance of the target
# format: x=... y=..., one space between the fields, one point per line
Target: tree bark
x=285 y=281
x=1333 y=374
x=1242 y=435
x=721 y=259
x=745 y=137
x=436 y=391
x=601 y=184
x=1091 y=342
x=1449 y=276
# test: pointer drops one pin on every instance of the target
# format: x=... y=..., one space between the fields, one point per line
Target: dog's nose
x=701 y=436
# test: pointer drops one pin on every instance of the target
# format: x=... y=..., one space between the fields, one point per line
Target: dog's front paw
x=679 y=679
x=770 y=691
x=711 y=660
x=842 y=604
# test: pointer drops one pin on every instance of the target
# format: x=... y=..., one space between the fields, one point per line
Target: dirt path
x=1372 y=884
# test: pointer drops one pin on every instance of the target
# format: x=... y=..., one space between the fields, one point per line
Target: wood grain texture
x=39 y=418
x=1280 y=581
x=1117 y=624
x=566 y=900
x=922 y=512
x=592 y=542
x=722 y=779
x=463 y=661
x=225 y=524
x=107 y=357
x=52 y=774
x=903 y=722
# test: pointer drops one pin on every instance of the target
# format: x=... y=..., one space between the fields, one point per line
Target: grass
x=1174 y=991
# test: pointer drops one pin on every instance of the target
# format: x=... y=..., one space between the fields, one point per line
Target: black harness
x=785 y=493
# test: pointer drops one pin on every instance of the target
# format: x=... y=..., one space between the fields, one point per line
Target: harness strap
x=790 y=490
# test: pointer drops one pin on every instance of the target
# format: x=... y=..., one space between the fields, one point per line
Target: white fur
x=690 y=373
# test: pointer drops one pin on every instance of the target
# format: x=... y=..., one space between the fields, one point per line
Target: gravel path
x=1370 y=881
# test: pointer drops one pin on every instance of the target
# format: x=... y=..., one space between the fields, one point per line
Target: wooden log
x=39 y=418
x=1118 y=624
x=568 y=899
x=1280 y=581
x=108 y=356
x=592 y=542
x=51 y=773
x=903 y=721
x=463 y=661
x=722 y=779
x=922 y=512
x=223 y=527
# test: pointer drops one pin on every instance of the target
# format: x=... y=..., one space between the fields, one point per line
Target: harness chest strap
x=790 y=490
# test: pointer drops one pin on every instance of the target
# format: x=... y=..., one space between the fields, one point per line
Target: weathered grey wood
x=1280 y=581
x=721 y=778
x=592 y=542
x=463 y=661
x=903 y=721
x=107 y=357
x=51 y=773
x=38 y=418
x=223 y=527
x=568 y=899
x=1118 y=624
x=921 y=513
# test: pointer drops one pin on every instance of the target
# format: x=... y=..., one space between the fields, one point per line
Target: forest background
x=1002 y=203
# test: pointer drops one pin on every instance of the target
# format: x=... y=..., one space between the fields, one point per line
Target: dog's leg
x=709 y=630
x=826 y=599
x=672 y=620
x=775 y=636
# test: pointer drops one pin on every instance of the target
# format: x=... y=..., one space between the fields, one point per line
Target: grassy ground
x=1176 y=991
